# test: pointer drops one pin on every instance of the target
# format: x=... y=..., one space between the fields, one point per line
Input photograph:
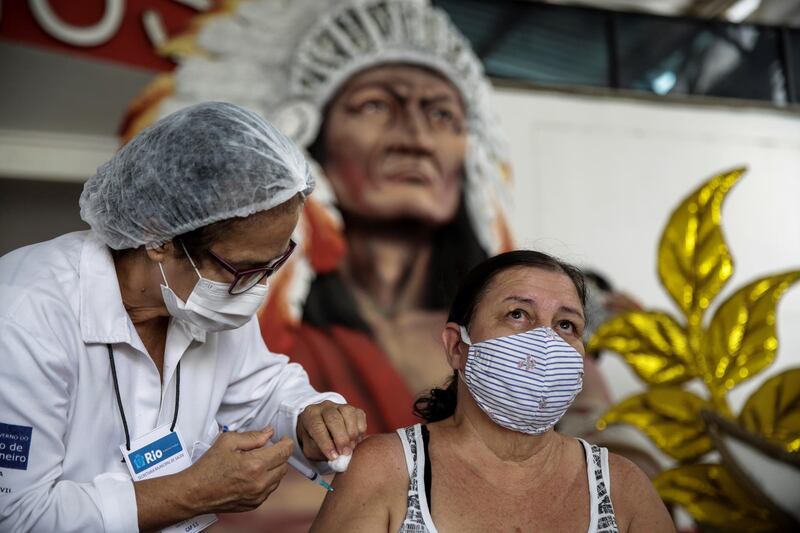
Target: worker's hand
x=327 y=430
x=238 y=472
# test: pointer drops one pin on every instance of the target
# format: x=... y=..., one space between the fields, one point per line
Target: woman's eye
x=517 y=314
x=567 y=326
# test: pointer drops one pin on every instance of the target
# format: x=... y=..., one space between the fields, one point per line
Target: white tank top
x=418 y=516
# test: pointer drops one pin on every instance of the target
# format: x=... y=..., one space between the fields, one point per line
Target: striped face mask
x=523 y=382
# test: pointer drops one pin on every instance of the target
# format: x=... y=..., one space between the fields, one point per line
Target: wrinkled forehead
x=530 y=282
x=402 y=76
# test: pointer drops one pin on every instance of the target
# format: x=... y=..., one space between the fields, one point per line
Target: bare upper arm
x=371 y=492
x=637 y=505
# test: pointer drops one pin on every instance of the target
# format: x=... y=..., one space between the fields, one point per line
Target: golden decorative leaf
x=670 y=416
x=652 y=343
x=693 y=260
x=713 y=497
x=741 y=340
x=773 y=411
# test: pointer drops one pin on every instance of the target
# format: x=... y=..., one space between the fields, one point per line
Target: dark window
x=578 y=46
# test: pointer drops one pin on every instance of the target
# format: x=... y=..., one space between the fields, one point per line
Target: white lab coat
x=60 y=305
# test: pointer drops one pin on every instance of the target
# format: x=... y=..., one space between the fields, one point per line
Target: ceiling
x=771 y=12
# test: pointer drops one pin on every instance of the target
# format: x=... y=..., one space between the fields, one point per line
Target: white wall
x=596 y=179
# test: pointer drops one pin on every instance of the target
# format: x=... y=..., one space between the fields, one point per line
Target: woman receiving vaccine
x=488 y=458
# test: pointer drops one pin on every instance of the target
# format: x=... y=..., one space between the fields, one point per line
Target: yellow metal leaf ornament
x=653 y=343
x=693 y=260
x=773 y=411
x=670 y=416
x=741 y=340
x=714 y=498
x=746 y=491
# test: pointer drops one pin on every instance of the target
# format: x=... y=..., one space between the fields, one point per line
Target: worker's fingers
x=275 y=455
x=337 y=428
x=315 y=437
x=246 y=440
x=327 y=430
x=354 y=420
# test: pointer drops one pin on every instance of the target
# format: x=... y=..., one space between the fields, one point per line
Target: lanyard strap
x=119 y=398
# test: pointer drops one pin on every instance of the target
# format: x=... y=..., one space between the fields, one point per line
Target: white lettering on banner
x=83 y=36
x=154 y=27
x=108 y=26
x=199 y=5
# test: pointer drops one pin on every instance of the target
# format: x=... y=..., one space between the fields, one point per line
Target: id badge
x=160 y=453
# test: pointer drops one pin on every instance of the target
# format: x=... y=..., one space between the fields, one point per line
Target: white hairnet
x=202 y=164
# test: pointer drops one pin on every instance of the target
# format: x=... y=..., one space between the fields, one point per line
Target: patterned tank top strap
x=606 y=519
x=414 y=521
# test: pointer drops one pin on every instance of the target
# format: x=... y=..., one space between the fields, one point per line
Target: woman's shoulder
x=379 y=457
x=625 y=473
x=637 y=505
x=371 y=494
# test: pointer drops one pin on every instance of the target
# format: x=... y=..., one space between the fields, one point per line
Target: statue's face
x=395 y=140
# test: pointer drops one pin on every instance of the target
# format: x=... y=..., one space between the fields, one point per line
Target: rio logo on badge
x=155 y=452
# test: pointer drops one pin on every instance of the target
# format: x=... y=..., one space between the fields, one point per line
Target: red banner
x=114 y=30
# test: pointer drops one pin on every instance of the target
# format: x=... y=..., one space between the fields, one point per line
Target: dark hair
x=440 y=403
x=599 y=280
x=199 y=241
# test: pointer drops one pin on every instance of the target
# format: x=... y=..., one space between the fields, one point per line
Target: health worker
x=136 y=392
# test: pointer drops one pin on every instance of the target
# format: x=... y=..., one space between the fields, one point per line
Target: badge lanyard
x=158 y=453
x=119 y=398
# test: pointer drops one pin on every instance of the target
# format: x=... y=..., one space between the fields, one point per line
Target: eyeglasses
x=244 y=280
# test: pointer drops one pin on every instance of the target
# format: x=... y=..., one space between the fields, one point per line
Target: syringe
x=309 y=473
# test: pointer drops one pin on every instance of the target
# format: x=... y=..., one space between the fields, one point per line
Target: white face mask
x=523 y=382
x=210 y=306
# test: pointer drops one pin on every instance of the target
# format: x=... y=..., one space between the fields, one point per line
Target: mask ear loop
x=189 y=257
x=464 y=335
x=164 y=276
x=190 y=260
x=466 y=340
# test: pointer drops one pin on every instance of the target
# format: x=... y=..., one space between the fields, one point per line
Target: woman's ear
x=454 y=347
